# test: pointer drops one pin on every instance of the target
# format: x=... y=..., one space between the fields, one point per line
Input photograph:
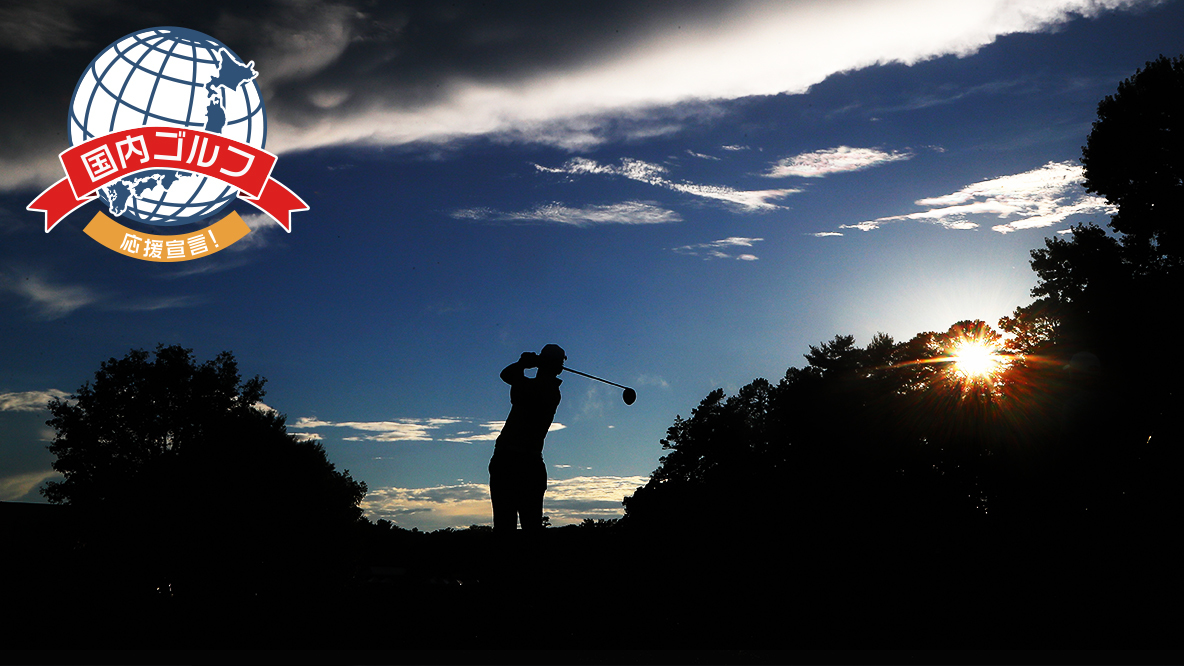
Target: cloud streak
x=842 y=159
x=567 y=501
x=628 y=212
x=1030 y=200
x=48 y=299
x=51 y=300
x=29 y=401
x=398 y=430
x=17 y=486
x=411 y=429
x=656 y=175
x=720 y=249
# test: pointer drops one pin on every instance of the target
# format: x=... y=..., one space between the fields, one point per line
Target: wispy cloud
x=413 y=429
x=572 y=500
x=398 y=430
x=652 y=380
x=431 y=508
x=628 y=212
x=160 y=303
x=488 y=432
x=263 y=231
x=1035 y=199
x=826 y=234
x=833 y=160
x=656 y=175
x=567 y=501
x=29 y=401
x=17 y=486
x=721 y=249
x=49 y=299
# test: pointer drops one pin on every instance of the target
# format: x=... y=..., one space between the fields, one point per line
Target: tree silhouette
x=188 y=483
x=1112 y=293
x=1135 y=158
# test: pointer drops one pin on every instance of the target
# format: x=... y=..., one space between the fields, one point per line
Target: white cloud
x=760 y=48
x=567 y=501
x=431 y=508
x=594 y=488
x=716 y=249
x=655 y=174
x=399 y=430
x=629 y=212
x=825 y=234
x=262 y=227
x=412 y=430
x=1037 y=198
x=833 y=160
x=29 y=401
x=492 y=430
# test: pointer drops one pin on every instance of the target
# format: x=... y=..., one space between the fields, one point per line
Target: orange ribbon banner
x=183 y=247
x=102 y=160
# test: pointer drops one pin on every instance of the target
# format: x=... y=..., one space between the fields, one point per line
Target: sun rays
x=976 y=359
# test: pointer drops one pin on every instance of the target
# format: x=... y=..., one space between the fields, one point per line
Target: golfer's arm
x=514 y=372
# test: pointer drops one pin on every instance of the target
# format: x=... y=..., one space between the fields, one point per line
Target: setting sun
x=976 y=359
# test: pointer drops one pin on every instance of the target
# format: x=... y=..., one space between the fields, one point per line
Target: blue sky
x=683 y=197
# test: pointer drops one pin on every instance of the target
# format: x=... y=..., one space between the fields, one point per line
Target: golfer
x=517 y=473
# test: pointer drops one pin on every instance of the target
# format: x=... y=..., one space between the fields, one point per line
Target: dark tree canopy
x=138 y=415
x=176 y=462
x=1103 y=293
x=1135 y=158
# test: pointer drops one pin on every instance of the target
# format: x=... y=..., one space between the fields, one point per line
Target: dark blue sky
x=530 y=182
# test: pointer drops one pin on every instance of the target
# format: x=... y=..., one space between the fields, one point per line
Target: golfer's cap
x=553 y=353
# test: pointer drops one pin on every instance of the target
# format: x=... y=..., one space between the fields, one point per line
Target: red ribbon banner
x=105 y=159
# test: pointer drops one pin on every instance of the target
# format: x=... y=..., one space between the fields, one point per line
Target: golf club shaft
x=584 y=374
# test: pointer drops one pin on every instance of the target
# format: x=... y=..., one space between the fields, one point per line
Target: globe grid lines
x=179 y=51
x=150 y=47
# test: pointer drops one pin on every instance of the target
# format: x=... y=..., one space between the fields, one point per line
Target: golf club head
x=629 y=395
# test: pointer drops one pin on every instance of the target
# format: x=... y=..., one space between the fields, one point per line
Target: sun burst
x=976 y=360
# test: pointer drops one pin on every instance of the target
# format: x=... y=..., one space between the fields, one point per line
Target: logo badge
x=167 y=128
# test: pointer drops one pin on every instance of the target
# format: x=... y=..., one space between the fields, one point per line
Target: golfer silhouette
x=517 y=473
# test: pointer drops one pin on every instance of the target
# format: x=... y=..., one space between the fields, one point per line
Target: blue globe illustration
x=172 y=77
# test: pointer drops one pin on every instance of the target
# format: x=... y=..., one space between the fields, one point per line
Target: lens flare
x=975 y=359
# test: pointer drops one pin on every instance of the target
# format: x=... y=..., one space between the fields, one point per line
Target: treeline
x=895 y=436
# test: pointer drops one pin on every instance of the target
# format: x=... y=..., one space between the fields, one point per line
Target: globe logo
x=168 y=77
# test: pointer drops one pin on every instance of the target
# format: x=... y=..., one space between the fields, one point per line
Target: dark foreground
x=605 y=588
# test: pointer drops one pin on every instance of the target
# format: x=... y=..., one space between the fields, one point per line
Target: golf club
x=629 y=395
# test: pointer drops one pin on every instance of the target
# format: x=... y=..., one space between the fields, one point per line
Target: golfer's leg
x=534 y=486
x=505 y=514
